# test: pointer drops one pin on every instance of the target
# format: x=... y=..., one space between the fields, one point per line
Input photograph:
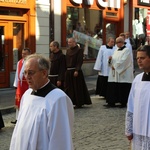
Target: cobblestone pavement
x=95 y=128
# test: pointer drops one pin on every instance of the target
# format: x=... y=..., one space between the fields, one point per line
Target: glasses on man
x=30 y=72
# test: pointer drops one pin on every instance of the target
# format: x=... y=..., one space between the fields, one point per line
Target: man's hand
x=75 y=73
x=130 y=137
x=113 y=68
x=58 y=83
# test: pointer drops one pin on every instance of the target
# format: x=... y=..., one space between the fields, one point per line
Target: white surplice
x=101 y=63
x=122 y=62
x=17 y=78
x=138 y=114
x=44 y=123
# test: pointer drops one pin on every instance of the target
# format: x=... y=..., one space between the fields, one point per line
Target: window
x=141 y=26
x=10 y=12
x=87 y=29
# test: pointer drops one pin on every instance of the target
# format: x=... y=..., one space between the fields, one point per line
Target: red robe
x=22 y=85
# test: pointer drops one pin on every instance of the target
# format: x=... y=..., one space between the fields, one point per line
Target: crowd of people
x=56 y=87
x=115 y=67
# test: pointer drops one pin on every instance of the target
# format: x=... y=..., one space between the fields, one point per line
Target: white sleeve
x=16 y=77
x=98 y=63
x=60 y=125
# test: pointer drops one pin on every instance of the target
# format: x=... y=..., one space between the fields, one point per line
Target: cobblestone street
x=95 y=128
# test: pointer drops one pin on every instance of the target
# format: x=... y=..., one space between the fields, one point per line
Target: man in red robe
x=20 y=82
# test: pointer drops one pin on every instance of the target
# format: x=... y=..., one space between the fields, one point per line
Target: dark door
x=4 y=69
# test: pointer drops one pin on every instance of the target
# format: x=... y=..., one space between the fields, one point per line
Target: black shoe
x=122 y=106
x=14 y=122
x=77 y=107
x=109 y=105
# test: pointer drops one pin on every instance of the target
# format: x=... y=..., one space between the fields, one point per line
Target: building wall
x=57 y=20
x=42 y=27
x=126 y=17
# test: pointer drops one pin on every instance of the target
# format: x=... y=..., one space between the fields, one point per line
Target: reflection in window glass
x=86 y=29
x=141 y=26
x=110 y=30
x=18 y=42
x=2 y=55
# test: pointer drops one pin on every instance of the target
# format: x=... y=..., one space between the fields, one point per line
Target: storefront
x=17 y=30
x=140 y=21
x=92 y=22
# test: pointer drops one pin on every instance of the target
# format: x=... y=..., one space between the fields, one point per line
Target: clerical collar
x=146 y=76
x=109 y=47
x=44 y=90
x=120 y=49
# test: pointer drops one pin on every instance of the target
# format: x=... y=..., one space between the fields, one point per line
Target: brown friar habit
x=75 y=87
x=1 y=121
x=58 y=68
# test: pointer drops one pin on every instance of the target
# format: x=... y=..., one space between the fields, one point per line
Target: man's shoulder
x=56 y=96
x=56 y=93
x=20 y=60
x=103 y=46
x=138 y=76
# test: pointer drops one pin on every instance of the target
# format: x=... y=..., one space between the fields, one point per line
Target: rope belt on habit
x=71 y=68
x=51 y=75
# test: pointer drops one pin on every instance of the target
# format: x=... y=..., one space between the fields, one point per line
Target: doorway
x=12 y=41
x=4 y=69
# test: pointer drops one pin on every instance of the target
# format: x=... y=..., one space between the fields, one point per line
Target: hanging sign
x=109 y=3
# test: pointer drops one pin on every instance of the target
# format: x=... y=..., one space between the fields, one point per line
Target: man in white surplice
x=120 y=75
x=103 y=67
x=46 y=115
x=138 y=108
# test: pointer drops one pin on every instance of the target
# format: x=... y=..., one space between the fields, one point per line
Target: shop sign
x=109 y=3
x=13 y=1
x=144 y=2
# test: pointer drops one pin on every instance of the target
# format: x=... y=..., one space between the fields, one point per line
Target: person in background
x=20 y=82
x=129 y=46
x=1 y=121
x=102 y=66
x=46 y=115
x=137 y=122
x=120 y=75
x=130 y=40
x=75 y=86
x=57 y=65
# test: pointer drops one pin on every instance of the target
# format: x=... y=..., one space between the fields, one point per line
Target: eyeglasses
x=30 y=72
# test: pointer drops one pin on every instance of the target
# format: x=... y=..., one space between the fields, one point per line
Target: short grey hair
x=43 y=62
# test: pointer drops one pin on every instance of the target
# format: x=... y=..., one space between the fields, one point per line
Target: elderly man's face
x=119 y=43
x=35 y=77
